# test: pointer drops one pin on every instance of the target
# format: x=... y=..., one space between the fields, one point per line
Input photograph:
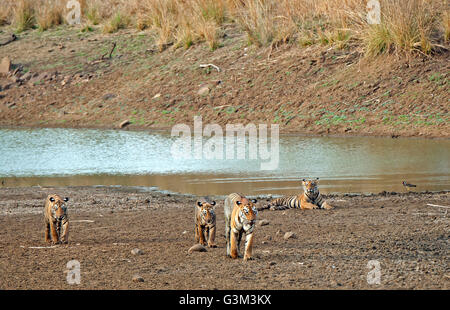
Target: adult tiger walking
x=240 y=217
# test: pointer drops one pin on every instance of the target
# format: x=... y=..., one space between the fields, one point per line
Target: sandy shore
x=331 y=249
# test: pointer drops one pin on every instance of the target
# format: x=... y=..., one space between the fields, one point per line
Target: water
x=73 y=157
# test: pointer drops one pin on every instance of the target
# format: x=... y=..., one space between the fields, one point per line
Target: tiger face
x=57 y=207
x=311 y=187
x=247 y=212
x=206 y=211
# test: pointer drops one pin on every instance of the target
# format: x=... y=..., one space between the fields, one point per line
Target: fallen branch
x=210 y=65
x=437 y=206
x=43 y=247
x=83 y=221
x=222 y=106
x=110 y=53
x=11 y=39
x=103 y=57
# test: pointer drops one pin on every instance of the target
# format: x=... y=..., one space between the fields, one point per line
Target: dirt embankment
x=331 y=249
x=64 y=78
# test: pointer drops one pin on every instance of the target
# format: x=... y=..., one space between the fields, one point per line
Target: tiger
x=310 y=199
x=240 y=217
x=56 y=219
x=205 y=223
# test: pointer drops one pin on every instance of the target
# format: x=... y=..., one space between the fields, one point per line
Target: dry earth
x=331 y=249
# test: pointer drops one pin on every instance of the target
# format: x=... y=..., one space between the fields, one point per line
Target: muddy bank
x=331 y=249
x=55 y=81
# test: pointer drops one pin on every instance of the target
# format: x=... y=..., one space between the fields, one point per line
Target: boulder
x=5 y=66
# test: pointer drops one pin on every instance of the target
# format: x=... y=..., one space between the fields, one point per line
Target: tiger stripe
x=240 y=217
x=310 y=199
x=56 y=220
x=205 y=223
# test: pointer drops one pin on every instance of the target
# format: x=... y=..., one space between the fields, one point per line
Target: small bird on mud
x=408 y=186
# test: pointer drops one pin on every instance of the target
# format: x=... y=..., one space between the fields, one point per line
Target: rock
x=7 y=86
x=289 y=235
x=16 y=80
x=136 y=251
x=204 y=90
x=138 y=278
x=109 y=96
x=67 y=79
x=27 y=76
x=197 y=248
x=263 y=222
x=5 y=66
x=124 y=124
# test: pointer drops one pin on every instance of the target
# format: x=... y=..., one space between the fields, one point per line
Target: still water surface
x=73 y=157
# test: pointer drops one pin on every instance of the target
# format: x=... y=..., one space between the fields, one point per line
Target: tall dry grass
x=407 y=26
x=49 y=13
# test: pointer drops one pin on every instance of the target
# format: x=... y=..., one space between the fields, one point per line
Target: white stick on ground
x=43 y=247
x=210 y=65
x=83 y=221
x=437 y=206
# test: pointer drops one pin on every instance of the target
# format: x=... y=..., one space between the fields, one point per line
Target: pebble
x=263 y=222
x=197 y=248
x=289 y=235
x=136 y=251
x=138 y=278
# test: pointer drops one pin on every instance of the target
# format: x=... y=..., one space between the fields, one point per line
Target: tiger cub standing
x=310 y=199
x=205 y=223
x=240 y=217
x=56 y=220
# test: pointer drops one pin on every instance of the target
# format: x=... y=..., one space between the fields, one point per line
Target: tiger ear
x=66 y=199
x=199 y=203
x=254 y=200
x=52 y=199
x=238 y=203
x=213 y=203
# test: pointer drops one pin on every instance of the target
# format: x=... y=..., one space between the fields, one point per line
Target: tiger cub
x=240 y=217
x=205 y=223
x=56 y=220
x=310 y=199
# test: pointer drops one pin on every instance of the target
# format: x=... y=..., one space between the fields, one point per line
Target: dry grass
x=49 y=13
x=24 y=15
x=407 y=26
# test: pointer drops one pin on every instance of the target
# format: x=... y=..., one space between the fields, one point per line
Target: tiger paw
x=212 y=245
x=246 y=258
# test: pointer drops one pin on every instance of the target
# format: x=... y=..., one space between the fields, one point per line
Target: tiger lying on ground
x=240 y=217
x=205 y=223
x=56 y=219
x=310 y=199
